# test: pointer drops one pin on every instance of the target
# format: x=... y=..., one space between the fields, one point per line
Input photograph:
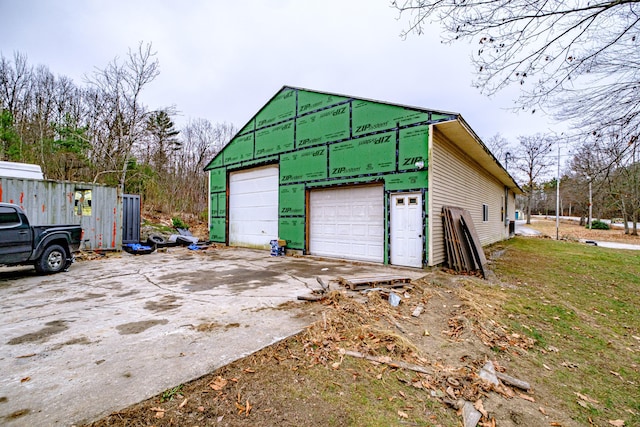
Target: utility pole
x=590 y=204
x=558 y=197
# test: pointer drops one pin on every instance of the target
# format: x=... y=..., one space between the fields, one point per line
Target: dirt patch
x=237 y=279
x=137 y=327
x=207 y=327
x=74 y=341
x=50 y=329
x=165 y=303
x=86 y=297
x=128 y=294
x=17 y=414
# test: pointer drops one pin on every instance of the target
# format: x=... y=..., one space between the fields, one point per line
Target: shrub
x=177 y=223
x=598 y=225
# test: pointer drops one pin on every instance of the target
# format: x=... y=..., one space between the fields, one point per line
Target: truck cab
x=49 y=248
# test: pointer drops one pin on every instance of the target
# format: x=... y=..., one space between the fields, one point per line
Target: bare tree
x=501 y=148
x=579 y=58
x=15 y=81
x=118 y=108
x=533 y=160
x=201 y=140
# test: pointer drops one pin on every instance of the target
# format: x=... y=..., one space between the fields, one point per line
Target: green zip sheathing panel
x=311 y=101
x=412 y=148
x=303 y=165
x=281 y=107
x=274 y=139
x=374 y=154
x=321 y=140
x=370 y=117
x=325 y=126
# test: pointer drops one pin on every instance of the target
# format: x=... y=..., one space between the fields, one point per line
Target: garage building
x=352 y=178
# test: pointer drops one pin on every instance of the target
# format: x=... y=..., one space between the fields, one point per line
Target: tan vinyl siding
x=511 y=211
x=455 y=179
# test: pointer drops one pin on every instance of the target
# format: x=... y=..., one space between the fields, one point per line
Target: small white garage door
x=253 y=207
x=347 y=223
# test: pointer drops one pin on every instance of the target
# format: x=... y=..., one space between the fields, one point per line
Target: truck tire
x=52 y=260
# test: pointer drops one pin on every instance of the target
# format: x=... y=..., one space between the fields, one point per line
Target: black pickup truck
x=49 y=248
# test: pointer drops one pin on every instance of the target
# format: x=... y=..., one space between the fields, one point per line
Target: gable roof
x=453 y=127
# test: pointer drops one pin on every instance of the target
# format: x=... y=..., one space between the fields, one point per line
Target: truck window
x=8 y=217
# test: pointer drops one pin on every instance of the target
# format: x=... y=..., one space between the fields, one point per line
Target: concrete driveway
x=111 y=332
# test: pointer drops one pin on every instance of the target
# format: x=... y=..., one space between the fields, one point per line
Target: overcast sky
x=223 y=60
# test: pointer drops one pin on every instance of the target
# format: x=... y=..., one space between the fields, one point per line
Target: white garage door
x=253 y=207
x=347 y=223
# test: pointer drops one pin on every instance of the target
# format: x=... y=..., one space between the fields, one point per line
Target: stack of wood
x=464 y=251
x=361 y=283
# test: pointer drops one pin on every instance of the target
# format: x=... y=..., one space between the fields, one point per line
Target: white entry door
x=407 y=229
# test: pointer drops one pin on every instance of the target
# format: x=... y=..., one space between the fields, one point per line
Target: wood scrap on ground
x=360 y=283
x=316 y=294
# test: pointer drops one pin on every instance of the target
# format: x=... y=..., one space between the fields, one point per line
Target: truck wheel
x=53 y=260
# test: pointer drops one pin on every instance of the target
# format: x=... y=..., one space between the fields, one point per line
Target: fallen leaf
x=553 y=423
x=184 y=402
x=200 y=408
x=586 y=398
x=546 y=367
x=218 y=384
x=583 y=404
x=542 y=411
x=157 y=409
x=617 y=423
x=402 y=414
x=25 y=379
x=249 y=371
x=248 y=406
x=451 y=393
x=480 y=407
x=401 y=393
x=616 y=374
x=525 y=397
x=159 y=415
x=240 y=407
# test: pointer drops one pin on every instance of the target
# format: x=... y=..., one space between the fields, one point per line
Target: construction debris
x=418 y=310
x=360 y=283
x=464 y=251
x=317 y=294
x=488 y=373
x=513 y=381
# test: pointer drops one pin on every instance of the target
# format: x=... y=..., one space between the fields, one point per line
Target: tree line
x=603 y=173
x=578 y=61
x=102 y=132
